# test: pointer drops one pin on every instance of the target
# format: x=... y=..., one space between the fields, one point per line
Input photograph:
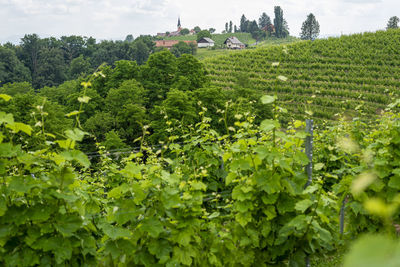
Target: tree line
x=277 y=27
x=264 y=27
x=51 y=61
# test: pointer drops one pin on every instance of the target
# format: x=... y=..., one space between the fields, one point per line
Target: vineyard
x=201 y=198
x=323 y=77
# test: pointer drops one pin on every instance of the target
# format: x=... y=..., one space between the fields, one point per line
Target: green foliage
x=52 y=61
x=202 y=34
x=327 y=77
x=310 y=28
x=393 y=23
x=113 y=141
x=264 y=20
x=11 y=68
x=79 y=67
x=373 y=251
x=180 y=49
x=281 y=28
x=184 y=31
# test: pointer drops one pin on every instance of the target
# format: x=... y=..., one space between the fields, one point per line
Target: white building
x=205 y=42
x=234 y=43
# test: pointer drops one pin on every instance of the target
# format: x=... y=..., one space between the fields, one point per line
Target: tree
x=130 y=91
x=79 y=66
x=211 y=30
x=252 y=26
x=196 y=29
x=51 y=68
x=129 y=38
x=158 y=74
x=181 y=48
x=184 y=31
x=264 y=20
x=230 y=27
x=310 y=28
x=72 y=46
x=226 y=27
x=281 y=28
x=393 y=23
x=258 y=35
x=285 y=28
x=243 y=23
x=193 y=46
x=30 y=47
x=202 y=34
x=11 y=69
x=236 y=29
x=142 y=52
x=192 y=69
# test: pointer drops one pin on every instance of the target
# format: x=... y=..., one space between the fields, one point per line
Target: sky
x=114 y=19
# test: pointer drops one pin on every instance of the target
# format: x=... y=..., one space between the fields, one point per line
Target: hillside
x=325 y=76
x=219 y=39
x=204 y=53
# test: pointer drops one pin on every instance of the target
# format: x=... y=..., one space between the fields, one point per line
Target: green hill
x=219 y=39
x=326 y=76
x=203 y=53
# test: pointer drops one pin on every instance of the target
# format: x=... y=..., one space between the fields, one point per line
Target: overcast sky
x=114 y=19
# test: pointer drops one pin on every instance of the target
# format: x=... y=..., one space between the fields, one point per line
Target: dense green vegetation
x=325 y=77
x=207 y=200
x=51 y=61
x=153 y=165
x=125 y=98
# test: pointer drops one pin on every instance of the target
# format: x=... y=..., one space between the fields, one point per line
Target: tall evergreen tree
x=285 y=28
x=243 y=23
x=310 y=28
x=226 y=27
x=393 y=23
x=230 y=26
x=278 y=22
x=264 y=20
x=252 y=26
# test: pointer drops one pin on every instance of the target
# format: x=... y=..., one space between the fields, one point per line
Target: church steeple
x=179 y=23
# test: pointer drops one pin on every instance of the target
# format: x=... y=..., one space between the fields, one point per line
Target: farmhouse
x=234 y=43
x=169 y=43
x=205 y=42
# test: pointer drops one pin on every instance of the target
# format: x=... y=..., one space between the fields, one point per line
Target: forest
x=125 y=98
x=52 y=61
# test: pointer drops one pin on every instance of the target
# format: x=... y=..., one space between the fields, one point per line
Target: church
x=175 y=33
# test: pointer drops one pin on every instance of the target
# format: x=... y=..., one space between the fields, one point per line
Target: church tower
x=179 y=24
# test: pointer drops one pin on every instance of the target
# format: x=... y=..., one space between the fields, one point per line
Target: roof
x=206 y=40
x=176 y=33
x=233 y=40
x=170 y=43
